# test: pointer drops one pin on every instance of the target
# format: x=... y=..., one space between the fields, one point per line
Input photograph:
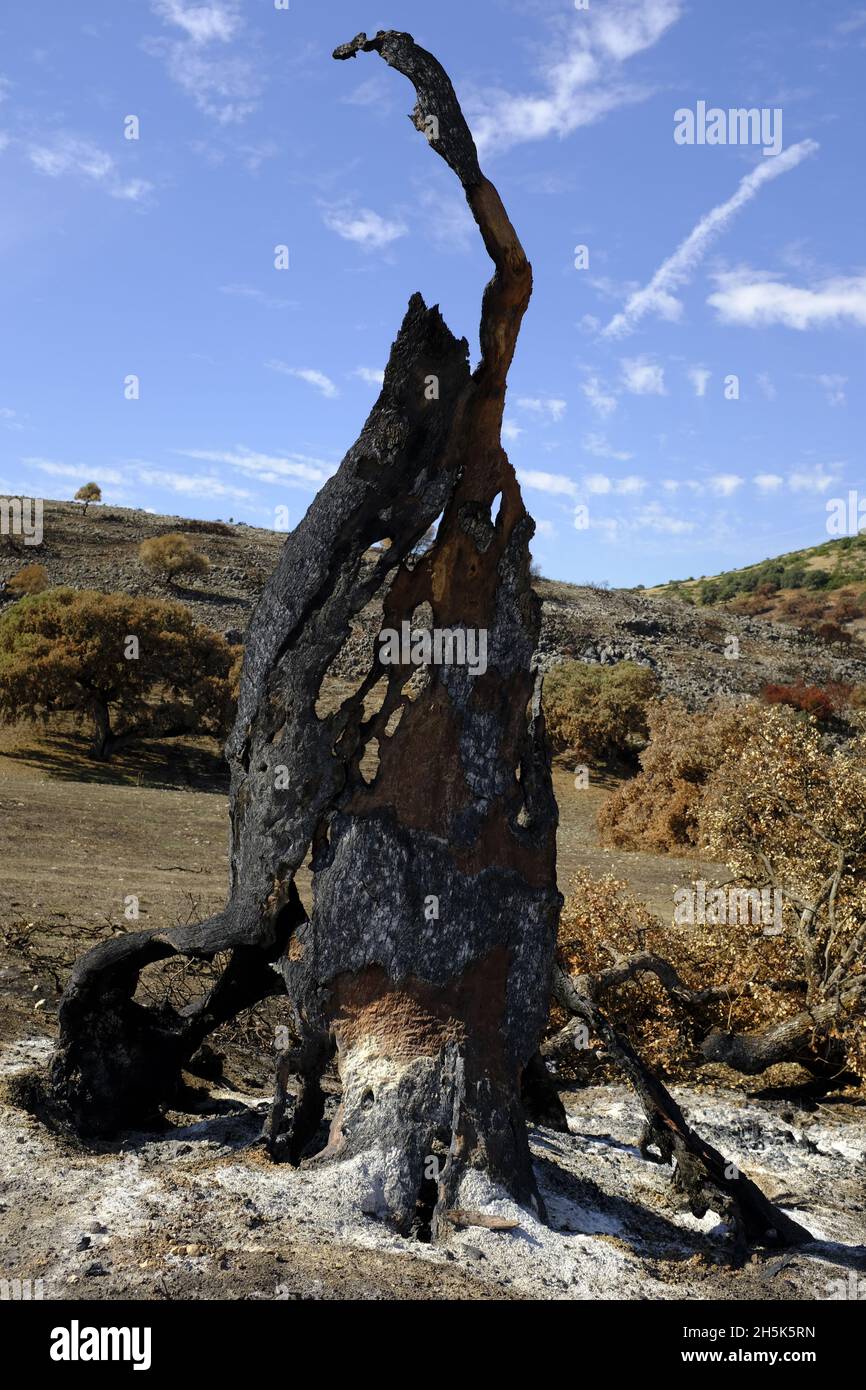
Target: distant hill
x=834 y=565
x=687 y=644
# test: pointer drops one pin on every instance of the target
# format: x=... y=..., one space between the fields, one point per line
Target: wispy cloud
x=364 y=227
x=658 y=297
x=298 y=469
x=191 y=484
x=259 y=296
x=600 y=485
x=374 y=376
x=766 y=387
x=556 y=484
x=225 y=85
x=549 y=407
x=819 y=480
x=768 y=482
x=602 y=400
x=834 y=387
x=756 y=299
x=643 y=377
x=598 y=445
x=77 y=472
x=66 y=154
x=580 y=81
x=308 y=374
x=725 y=484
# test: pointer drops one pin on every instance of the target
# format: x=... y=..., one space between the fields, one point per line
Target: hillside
x=685 y=644
x=831 y=569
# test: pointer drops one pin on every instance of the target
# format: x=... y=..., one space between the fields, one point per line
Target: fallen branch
x=708 y=1181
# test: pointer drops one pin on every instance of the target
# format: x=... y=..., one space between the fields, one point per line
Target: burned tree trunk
x=428 y=955
x=428 y=959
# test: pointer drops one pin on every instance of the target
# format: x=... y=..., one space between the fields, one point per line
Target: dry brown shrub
x=31 y=579
x=172 y=555
x=601 y=919
x=659 y=809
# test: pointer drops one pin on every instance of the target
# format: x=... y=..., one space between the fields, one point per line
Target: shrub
x=171 y=555
x=91 y=492
x=597 y=712
x=788 y=808
x=32 y=579
x=70 y=650
x=816 y=579
x=600 y=917
x=659 y=809
x=808 y=699
x=780 y=809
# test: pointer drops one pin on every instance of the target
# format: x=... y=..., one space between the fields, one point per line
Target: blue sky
x=155 y=258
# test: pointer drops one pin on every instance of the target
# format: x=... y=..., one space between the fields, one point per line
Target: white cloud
x=374 y=91
x=298 y=469
x=373 y=376
x=653 y=517
x=643 y=377
x=225 y=87
x=819 y=480
x=599 y=397
x=629 y=485
x=511 y=431
x=768 y=482
x=545 y=528
x=757 y=299
x=768 y=390
x=597 y=483
x=548 y=406
x=725 y=484
x=78 y=472
x=598 y=445
x=554 y=483
x=202 y=23
x=699 y=376
x=657 y=297
x=308 y=374
x=66 y=154
x=834 y=387
x=600 y=485
x=10 y=419
x=365 y=227
x=580 y=81
x=190 y=484
x=254 y=293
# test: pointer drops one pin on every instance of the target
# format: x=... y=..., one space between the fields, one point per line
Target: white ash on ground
x=198 y=1211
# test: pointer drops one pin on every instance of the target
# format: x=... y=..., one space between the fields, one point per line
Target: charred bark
x=434 y=1010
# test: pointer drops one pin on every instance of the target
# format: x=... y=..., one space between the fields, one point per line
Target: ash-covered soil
x=198 y=1212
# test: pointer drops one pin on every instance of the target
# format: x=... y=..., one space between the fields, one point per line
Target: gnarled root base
x=117 y=1062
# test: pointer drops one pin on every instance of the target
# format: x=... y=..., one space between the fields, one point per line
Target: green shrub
x=597 y=712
